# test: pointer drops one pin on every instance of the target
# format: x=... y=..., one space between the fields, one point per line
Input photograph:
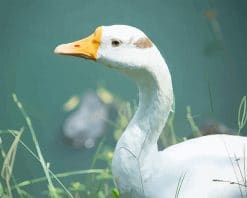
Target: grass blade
x=180 y=182
x=242 y=114
x=43 y=163
x=8 y=163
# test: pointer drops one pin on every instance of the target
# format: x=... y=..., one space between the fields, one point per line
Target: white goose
x=213 y=165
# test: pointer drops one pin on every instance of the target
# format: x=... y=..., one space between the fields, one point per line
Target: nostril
x=76 y=45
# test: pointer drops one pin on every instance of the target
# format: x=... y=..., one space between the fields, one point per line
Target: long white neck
x=155 y=103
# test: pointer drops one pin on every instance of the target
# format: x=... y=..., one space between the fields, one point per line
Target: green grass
x=55 y=187
x=45 y=165
x=242 y=114
x=96 y=183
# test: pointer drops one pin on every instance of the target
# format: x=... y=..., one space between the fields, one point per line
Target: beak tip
x=57 y=50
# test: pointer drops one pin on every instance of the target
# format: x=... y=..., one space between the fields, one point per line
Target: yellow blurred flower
x=105 y=95
x=72 y=103
x=109 y=155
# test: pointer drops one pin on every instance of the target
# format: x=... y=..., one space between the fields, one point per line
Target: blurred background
x=204 y=43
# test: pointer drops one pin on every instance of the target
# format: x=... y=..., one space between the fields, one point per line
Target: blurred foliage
x=98 y=183
x=71 y=103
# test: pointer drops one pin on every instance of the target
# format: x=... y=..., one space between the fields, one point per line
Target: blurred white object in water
x=87 y=123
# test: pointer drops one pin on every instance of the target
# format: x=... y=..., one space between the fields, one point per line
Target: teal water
x=204 y=43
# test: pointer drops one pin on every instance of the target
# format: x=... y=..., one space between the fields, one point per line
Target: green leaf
x=115 y=193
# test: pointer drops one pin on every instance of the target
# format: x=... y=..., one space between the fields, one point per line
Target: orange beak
x=85 y=48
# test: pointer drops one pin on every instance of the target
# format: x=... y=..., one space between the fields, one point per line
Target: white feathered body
x=209 y=165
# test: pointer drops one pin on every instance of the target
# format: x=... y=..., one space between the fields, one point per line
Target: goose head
x=130 y=51
x=122 y=47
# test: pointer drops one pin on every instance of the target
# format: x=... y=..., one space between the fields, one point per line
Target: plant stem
x=43 y=163
x=59 y=175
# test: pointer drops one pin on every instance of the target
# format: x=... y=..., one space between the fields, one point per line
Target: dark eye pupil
x=115 y=43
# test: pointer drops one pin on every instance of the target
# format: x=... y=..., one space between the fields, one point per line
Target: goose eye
x=115 y=43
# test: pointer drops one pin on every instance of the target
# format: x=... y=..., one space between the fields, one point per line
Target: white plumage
x=212 y=166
